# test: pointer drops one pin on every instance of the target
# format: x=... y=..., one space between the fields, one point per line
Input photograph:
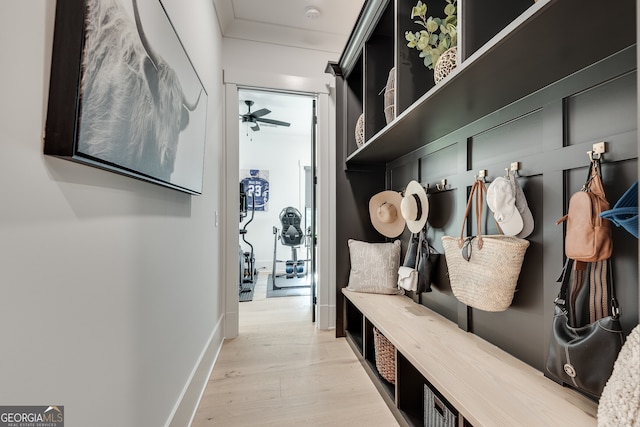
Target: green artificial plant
x=438 y=34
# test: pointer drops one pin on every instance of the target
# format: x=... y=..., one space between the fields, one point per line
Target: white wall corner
x=185 y=409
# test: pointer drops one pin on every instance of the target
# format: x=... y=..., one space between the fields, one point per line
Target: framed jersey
x=256 y=186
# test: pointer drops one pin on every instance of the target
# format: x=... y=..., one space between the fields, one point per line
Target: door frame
x=325 y=189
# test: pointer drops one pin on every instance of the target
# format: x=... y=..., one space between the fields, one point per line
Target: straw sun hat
x=384 y=210
x=415 y=206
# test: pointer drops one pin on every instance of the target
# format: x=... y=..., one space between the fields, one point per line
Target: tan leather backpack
x=588 y=236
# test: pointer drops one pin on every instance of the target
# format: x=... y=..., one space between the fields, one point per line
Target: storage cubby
x=370 y=357
x=484 y=19
x=378 y=61
x=532 y=86
x=354 y=104
x=410 y=399
x=413 y=79
x=467 y=374
x=354 y=324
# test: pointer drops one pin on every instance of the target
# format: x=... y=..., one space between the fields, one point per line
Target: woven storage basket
x=446 y=64
x=436 y=412
x=385 y=353
x=389 y=97
x=360 y=131
x=483 y=270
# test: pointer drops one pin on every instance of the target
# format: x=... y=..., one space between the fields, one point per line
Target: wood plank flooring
x=283 y=371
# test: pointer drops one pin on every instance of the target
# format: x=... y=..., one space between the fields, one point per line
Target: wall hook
x=599 y=148
x=515 y=168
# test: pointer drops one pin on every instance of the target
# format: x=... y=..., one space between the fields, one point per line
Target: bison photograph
x=141 y=105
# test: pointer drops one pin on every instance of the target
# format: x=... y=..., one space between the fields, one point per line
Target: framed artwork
x=124 y=96
x=256 y=185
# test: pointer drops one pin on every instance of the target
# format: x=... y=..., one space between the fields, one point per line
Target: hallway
x=282 y=371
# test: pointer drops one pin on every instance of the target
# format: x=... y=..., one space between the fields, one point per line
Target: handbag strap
x=419 y=250
x=577 y=283
x=406 y=255
x=601 y=291
x=427 y=246
x=478 y=190
x=602 y=298
x=593 y=183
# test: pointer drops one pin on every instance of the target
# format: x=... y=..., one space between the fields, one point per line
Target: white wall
x=260 y=63
x=111 y=287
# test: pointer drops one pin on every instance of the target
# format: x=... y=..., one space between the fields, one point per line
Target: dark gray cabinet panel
x=548 y=133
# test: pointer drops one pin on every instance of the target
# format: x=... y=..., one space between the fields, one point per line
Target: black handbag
x=412 y=251
x=583 y=356
x=425 y=261
x=427 y=264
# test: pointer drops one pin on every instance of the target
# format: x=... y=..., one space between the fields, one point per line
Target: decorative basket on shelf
x=389 y=97
x=436 y=412
x=385 y=354
x=446 y=64
x=360 y=131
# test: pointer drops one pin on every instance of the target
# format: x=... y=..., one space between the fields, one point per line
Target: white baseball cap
x=501 y=199
x=523 y=208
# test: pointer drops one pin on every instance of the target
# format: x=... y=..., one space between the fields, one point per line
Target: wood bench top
x=487 y=385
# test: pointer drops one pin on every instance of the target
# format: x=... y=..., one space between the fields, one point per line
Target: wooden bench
x=486 y=385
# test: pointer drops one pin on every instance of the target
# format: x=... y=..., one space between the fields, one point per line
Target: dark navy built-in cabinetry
x=536 y=83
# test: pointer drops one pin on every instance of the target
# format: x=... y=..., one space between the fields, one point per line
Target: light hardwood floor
x=283 y=371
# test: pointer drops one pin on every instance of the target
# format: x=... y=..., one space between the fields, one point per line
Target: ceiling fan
x=256 y=117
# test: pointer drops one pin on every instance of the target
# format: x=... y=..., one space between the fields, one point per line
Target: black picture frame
x=124 y=95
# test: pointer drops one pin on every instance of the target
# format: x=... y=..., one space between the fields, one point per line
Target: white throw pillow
x=374 y=267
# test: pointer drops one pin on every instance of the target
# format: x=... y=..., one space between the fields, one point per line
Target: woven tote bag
x=483 y=270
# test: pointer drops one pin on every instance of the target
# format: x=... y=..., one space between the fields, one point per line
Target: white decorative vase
x=446 y=64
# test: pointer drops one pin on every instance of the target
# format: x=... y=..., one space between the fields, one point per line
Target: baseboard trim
x=326 y=316
x=185 y=409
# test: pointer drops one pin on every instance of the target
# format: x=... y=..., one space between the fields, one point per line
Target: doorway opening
x=277 y=170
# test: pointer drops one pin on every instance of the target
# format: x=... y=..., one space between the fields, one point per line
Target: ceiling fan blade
x=273 y=122
x=261 y=112
x=255 y=127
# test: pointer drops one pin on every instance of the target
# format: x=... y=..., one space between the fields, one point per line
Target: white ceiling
x=283 y=22
x=295 y=109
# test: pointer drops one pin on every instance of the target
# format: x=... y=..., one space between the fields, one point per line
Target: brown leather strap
x=476 y=190
x=580 y=270
x=598 y=291
x=594 y=184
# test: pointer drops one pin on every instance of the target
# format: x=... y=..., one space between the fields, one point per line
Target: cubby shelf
x=542 y=45
x=485 y=385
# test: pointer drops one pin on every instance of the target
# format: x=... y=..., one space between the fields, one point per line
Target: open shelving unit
x=483 y=385
x=534 y=84
x=532 y=46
